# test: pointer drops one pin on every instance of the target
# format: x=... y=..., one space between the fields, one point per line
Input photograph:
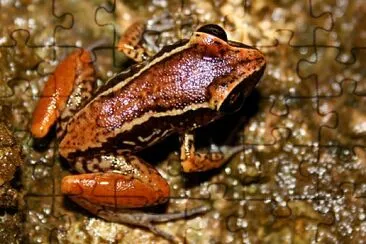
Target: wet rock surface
x=301 y=175
x=11 y=215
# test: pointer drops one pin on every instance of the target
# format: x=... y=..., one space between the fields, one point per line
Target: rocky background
x=301 y=177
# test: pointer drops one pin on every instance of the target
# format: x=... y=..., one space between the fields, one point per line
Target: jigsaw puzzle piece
x=269 y=171
x=307 y=219
x=42 y=34
x=340 y=36
x=78 y=34
x=317 y=20
x=188 y=229
x=320 y=219
x=339 y=175
x=105 y=19
x=300 y=34
x=44 y=213
x=76 y=24
x=285 y=113
x=348 y=107
x=215 y=222
x=327 y=82
x=267 y=116
x=344 y=216
x=272 y=31
x=283 y=77
x=295 y=45
x=22 y=62
x=266 y=221
x=342 y=172
x=17 y=65
x=239 y=222
x=41 y=175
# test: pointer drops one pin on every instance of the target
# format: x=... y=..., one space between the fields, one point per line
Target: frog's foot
x=148 y=220
x=130 y=42
x=203 y=161
x=193 y=161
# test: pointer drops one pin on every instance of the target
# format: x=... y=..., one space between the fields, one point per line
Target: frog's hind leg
x=128 y=183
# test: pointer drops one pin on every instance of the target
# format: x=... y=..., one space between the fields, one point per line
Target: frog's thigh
x=141 y=186
x=193 y=161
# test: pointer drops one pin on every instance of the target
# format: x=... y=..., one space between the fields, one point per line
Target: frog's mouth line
x=240 y=45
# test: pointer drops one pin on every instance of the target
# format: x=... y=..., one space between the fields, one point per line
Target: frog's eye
x=214 y=30
x=233 y=102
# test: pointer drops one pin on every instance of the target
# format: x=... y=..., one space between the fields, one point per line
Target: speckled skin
x=176 y=91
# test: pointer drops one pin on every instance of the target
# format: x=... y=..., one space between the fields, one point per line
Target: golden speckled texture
x=301 y=177
x=10 y=198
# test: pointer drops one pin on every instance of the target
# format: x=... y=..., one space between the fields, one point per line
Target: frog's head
x=246 y=65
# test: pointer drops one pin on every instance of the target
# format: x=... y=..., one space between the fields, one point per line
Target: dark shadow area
x=72 y=206
x=225 y=130
x=16 y=182
x=160 y=151
x=221 y=132
x=42 y=144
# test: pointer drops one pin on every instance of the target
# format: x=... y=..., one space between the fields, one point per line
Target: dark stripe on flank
x=171 y=124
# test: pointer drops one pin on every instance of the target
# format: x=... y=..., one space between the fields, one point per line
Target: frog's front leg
x=66 y=90
x=130 y=42
x=193 y=161
x=114 y=194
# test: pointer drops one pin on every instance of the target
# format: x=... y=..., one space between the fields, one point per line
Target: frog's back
x=182 y=87
x=166 y=95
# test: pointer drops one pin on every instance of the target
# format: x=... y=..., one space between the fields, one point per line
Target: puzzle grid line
x=287 y=99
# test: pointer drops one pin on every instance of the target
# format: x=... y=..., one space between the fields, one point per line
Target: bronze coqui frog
x=185 y=86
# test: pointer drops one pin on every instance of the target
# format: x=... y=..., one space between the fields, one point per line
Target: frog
x=185 y=86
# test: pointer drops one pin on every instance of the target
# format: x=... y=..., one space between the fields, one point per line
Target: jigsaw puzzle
x=300 y=173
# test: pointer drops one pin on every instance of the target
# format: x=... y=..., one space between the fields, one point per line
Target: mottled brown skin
x=185 y=86
x=202 y=74
x=129 y=43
